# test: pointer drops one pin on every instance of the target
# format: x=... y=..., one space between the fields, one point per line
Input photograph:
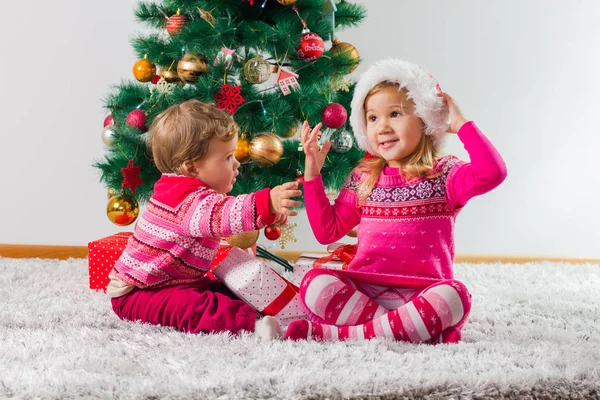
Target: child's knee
x=453 y=295
x=464 y=298
x=311 y=275
x=464 y=294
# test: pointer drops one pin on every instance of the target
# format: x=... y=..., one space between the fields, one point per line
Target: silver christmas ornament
x=108 y=134
x=341 y=141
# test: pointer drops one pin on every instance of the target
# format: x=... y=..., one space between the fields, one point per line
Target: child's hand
x=315 y=158
x=280 y=199
x=457 y=119
x=280 y=219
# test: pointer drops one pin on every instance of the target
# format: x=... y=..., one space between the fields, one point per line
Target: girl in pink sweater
x=405 y=198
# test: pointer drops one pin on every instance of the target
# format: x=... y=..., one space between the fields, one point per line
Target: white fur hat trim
x=422 y=88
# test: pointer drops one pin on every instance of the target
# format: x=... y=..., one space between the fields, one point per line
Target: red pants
x=206 y=306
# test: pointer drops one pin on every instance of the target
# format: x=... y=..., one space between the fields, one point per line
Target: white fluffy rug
x=534 y=332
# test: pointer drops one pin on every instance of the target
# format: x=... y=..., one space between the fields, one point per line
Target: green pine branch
x=272 y=32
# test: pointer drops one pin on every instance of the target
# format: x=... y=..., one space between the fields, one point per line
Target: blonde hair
x=417 y=164
x=183 y=132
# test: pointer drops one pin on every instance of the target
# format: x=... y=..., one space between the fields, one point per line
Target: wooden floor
x=65 y=252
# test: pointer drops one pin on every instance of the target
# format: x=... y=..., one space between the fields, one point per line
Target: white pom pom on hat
x=421 y=87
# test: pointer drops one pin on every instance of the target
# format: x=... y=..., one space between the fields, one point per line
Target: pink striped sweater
x=178 y=235
x=406 y=231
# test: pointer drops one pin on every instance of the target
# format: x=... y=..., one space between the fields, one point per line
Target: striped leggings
x=341 y=308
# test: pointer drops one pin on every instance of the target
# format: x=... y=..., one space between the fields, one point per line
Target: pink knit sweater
x=406 y=231
x=178 y=235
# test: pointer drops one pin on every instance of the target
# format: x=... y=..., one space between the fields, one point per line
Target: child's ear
x=190 y=168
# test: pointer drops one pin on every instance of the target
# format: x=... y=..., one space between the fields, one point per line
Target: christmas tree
x=272 y=64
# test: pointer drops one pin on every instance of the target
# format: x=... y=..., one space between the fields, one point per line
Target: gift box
x=102 y=255
x=257 y=284
x=222 y=252
x=338 y=258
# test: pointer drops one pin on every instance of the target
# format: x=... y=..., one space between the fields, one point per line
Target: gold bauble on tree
x=346 y=49
x=257 y=70
x=122 y=210
x=170 y=75
x=266 y=149
x=243 y=240
x=290 y=133
x=144 y=70
x=191 y=66
x=242 y=150
x=286 y=2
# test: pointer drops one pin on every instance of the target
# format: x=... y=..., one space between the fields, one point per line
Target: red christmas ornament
x=229 y=98
x=137 y=119
x=155 y=79
x=176 y=23
x=131 y=176
x=310 y=47
x=108 y=120
x=272 y=232
x=334 y=116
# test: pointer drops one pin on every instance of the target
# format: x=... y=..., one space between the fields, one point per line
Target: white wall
x=526 y=71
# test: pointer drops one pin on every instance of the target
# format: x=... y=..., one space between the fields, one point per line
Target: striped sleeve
x=217 y=215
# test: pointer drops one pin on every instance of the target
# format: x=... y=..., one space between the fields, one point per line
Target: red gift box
x=102 y=255
x=338 y=258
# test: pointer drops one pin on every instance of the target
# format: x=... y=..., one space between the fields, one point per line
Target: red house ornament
x=286 y=80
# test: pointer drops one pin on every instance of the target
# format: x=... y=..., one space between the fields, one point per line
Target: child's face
x=393 y=130
x=218 y=168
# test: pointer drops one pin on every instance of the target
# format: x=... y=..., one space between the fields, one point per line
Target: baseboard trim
x=41 y=251
x=65 y=252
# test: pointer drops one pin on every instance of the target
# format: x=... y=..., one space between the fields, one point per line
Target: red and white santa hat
x=421 y=87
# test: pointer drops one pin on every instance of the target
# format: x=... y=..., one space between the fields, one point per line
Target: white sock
x=267 y=328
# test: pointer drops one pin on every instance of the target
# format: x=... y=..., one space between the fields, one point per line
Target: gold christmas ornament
x=290 y=133
x=243 y=240
x=191 y=66
x=242 y=150
x=170 y=75
x=122 y=210
x=347 y=50
x=144 y=70
x=286 y=2
x=266 y=149
x=257 y=70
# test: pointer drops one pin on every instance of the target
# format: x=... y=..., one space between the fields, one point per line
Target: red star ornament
x=229 y=98
x=131 y=176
